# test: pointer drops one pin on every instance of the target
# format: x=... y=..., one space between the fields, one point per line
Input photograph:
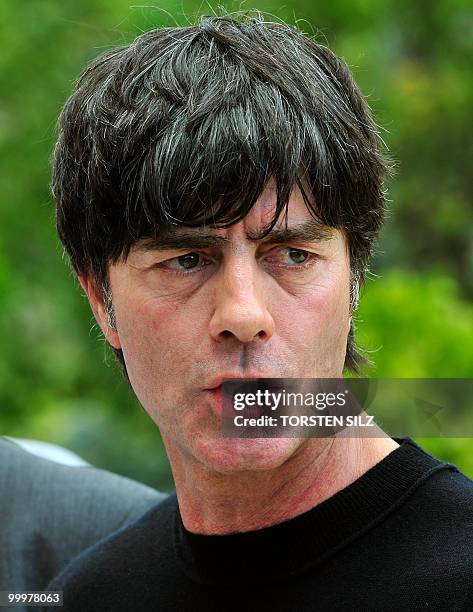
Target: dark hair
x=186 y=126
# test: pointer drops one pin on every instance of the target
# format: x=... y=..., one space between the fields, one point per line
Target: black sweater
x=398 y=538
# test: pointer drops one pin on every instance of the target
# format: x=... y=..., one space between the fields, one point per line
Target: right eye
x=185 y=264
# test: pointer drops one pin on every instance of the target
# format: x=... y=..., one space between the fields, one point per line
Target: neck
x=216 y=503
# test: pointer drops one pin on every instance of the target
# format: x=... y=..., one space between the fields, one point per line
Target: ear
x=96 y=301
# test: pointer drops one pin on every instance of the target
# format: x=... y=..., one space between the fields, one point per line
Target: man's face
x=206 y=304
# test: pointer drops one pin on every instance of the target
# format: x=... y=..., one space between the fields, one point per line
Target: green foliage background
x=413 y=61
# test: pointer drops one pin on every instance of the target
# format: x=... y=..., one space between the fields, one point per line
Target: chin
x=232 y=455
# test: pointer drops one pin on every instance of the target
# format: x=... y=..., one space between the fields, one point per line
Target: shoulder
x=124 y=563
x=46 y=507
x=434 y=525
x=50 y=485
x=445 y=489
x=427 y=543
x=444 y=506
x=441 y=501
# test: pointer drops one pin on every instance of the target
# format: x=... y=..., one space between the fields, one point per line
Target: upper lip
x=218 y=380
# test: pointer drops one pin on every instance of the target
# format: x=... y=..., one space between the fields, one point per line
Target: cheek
x=316 y=306
x=159 y=336
x=147 y=334
x=314 y=325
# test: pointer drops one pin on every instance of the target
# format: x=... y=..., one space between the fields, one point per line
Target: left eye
x=296 y=256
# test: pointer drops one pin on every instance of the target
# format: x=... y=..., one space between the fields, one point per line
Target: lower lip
x=216 y=399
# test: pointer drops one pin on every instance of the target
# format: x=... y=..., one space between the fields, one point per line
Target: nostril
x=225 y=333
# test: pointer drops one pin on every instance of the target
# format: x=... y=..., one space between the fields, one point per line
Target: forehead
x=263 y=211
x=295 y=222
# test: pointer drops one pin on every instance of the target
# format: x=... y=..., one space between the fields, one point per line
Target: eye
x=184 y=263
x=290 y=256
x=188 y=261
x=297 y=256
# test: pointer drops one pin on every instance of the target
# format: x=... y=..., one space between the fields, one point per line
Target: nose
x=240 y=308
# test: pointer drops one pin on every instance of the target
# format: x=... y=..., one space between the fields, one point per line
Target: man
x=219 y=189
x=51 y=511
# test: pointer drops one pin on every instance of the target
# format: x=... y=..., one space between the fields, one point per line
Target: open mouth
x=215 y=396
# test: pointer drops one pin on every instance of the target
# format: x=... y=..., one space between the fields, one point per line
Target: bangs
x=212 y=167
x=207 y=128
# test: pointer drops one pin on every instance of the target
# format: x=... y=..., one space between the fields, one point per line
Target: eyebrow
x=309 y=231
x=183 y=238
